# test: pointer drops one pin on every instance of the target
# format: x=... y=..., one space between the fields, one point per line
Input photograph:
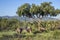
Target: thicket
x=12 y=24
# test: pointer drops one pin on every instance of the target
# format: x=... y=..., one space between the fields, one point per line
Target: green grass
x=51 y=35
x=7 y=33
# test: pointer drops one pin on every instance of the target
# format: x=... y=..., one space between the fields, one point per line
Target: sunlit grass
x=51 y=35
x=7 y=33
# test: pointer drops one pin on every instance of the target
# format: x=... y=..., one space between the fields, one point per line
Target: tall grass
x=51 y=35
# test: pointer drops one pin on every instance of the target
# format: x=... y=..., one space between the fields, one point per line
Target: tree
x=57 y=11
x=33 y=9
x=24 y=10
x=45 y=9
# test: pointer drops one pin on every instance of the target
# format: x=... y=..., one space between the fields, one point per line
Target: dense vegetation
x=8 y=24
x=8 y=30
x=12 y=24
x=13 y=29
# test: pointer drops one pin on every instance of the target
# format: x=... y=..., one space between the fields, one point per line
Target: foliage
x=52 y=31
x=12 y=24
x=24 y=10
x=6 y=24
x=45 y=9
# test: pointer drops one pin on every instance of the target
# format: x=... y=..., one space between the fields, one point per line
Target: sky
x=9 y=7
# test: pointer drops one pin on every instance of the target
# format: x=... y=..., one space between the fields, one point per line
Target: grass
x=51 y=35
x=7 y=33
